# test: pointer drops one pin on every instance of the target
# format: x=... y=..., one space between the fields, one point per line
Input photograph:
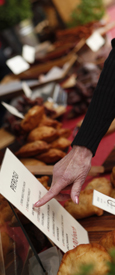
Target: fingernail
x=77 y=199
x=36 y=204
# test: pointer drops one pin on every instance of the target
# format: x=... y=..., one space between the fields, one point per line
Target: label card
x=17 y=64
x=26 y=89
x=22 y=189
x=95 y=41
x=28 y=53
x=12 y=110
x=104 y=202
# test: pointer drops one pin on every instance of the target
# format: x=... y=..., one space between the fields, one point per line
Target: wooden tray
x=98 y=226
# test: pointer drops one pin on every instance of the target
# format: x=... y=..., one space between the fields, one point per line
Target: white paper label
x=22 y=189
x=28 y=53
x=17 y=64
x=26 y=89
x=12 y=110
x=104 y=202
x=95 y=41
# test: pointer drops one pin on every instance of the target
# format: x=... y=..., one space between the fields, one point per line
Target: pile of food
x=46 y=140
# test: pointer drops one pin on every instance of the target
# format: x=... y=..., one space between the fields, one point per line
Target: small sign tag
x=28 y=53
x=95 y=41
x=22 y=189
x=26 y=89
x=17 y=64
x=104 y=202
x=12 y=110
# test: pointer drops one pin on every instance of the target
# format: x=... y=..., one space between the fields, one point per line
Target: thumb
x=75 y=191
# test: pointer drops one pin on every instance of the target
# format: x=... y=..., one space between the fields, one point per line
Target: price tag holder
x=17 y=64
x=104 y=202
x=12 y=110
x=95 y=41
x=28 y=53
x=22 y=189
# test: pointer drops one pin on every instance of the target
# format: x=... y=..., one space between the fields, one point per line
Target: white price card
x=17 y=64
x=22 y=189
x=95 y=41
x=104 y=202
x=28 y=53
x=26 y=89
x=12 y=110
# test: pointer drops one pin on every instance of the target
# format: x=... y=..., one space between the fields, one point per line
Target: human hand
x=69 y=173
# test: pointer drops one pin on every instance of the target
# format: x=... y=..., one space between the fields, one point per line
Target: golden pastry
x=85 y=207
x=32 y=118
x=45 y=133
x=61 y=143
x=51 y=156
x=85 y=254
x=33 y=148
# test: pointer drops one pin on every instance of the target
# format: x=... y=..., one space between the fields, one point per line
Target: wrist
x=83 y=152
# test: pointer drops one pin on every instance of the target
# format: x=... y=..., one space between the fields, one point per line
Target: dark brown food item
x=32 y=118
x=45 y=133
x=33 y=148
x=51 y=156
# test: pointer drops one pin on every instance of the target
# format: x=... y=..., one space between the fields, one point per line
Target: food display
x=85 y=254
x=85 y=208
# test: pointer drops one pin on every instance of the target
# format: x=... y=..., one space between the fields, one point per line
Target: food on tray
x=51 y=156
x=46 y=121
x=112 y=195
x=102 y=185
x=33 y=148
x=61 y=143
x=31 y=161
x=45 y=133
x=7 y=244
x=112 y=177
x=85 y=207
x=85 y=254
x=32 y=118
x=64 y=132
x=108 y=240
x=44 y=180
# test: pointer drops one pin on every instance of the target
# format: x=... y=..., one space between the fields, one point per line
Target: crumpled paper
x=50 y=258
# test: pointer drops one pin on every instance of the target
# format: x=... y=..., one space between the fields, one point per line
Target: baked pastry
x=44 y=180
x=102 y=185
x=46 y=121
x=31 y=161
x=85 y=207
x=85 y=254
x=112 y=177
x=108 y=240
x=64 y=132
x=61 y=143
x=51 y=156
x=45 y=133
x=32 y=118
x=32 y=148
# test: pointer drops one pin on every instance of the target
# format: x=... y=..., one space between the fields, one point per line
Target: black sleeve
x=101 y=110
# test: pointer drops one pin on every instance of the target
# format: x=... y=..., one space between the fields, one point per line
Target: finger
x=53 y=192
x=75 y=191
x=62 y=197
x=67 y=188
